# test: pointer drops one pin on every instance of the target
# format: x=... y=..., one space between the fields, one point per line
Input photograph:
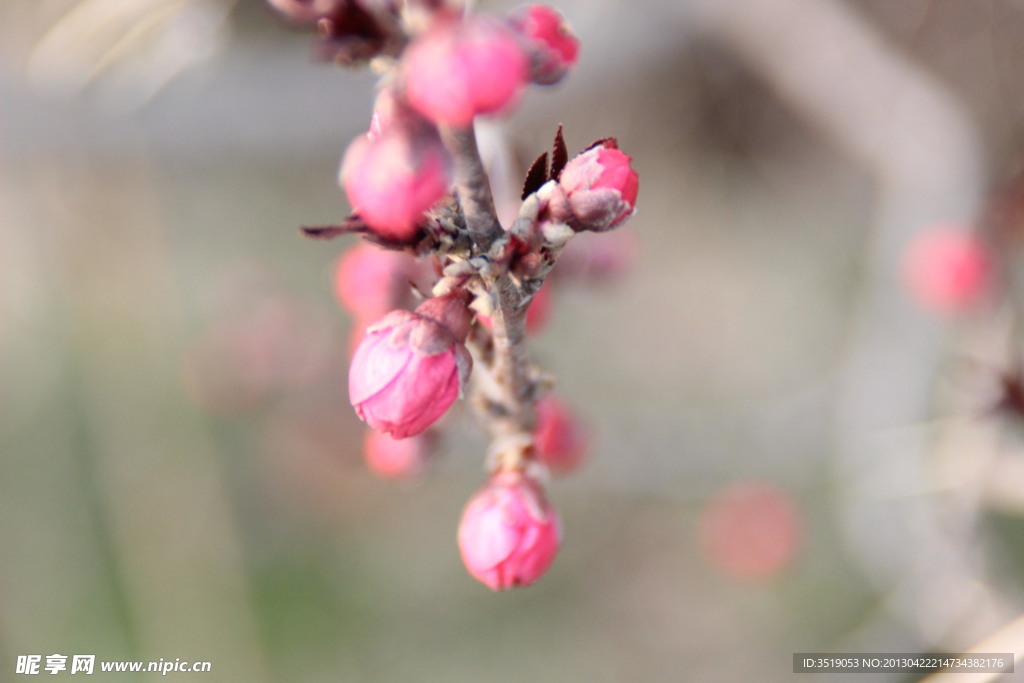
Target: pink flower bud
x=947 y=270
x=397 y=458
x=411 y=366
x=553 y=48
x=560 y=440
x=750 y=531
x=369 y=282
x=599 y=188
x=459 y=69
x=392 y=179
x=509 y=533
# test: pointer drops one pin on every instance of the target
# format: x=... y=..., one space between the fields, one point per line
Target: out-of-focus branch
x=1010 y=638
x=130 y=49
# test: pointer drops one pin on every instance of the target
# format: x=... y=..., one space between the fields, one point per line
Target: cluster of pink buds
x=444 y=295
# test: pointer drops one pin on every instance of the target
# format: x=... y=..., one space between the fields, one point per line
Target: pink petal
x=485 y=536
x=435 y=83
x=375 y=365
x=432 y=411
x=496 y=67
x=424 y=393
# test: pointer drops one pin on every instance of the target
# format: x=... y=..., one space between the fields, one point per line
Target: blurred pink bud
x=539 y=312
x=348 y=31
x=308 y=11
x=537 y=315
x=392 y=179
x=947 y=270
x=750 y=531
x=369 y=281
x=600 y=188
x=560 y=440
x=459 y=69
x=509 y=533
x=357 y=334
x=411 y=366
x=258 y=344
x=553 y=47
x=396 y=458
x=385 y=110
x=598 y=257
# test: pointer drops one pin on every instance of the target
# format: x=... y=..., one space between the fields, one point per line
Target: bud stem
x=509 y=363
x=472 y=186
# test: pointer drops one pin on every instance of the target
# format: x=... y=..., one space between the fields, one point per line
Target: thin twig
x=472 y=186
x=509 y=364
x=510 y=359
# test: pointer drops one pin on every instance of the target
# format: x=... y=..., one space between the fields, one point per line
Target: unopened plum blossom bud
x=509 y=533
x=948 y=270
x=369 y=282
x=393 y=458
x=458 y=69
x=552 y=46
x=560 y=440
x=392 y=179
x=750 y=530
x=597 y=189
x=411 y=366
